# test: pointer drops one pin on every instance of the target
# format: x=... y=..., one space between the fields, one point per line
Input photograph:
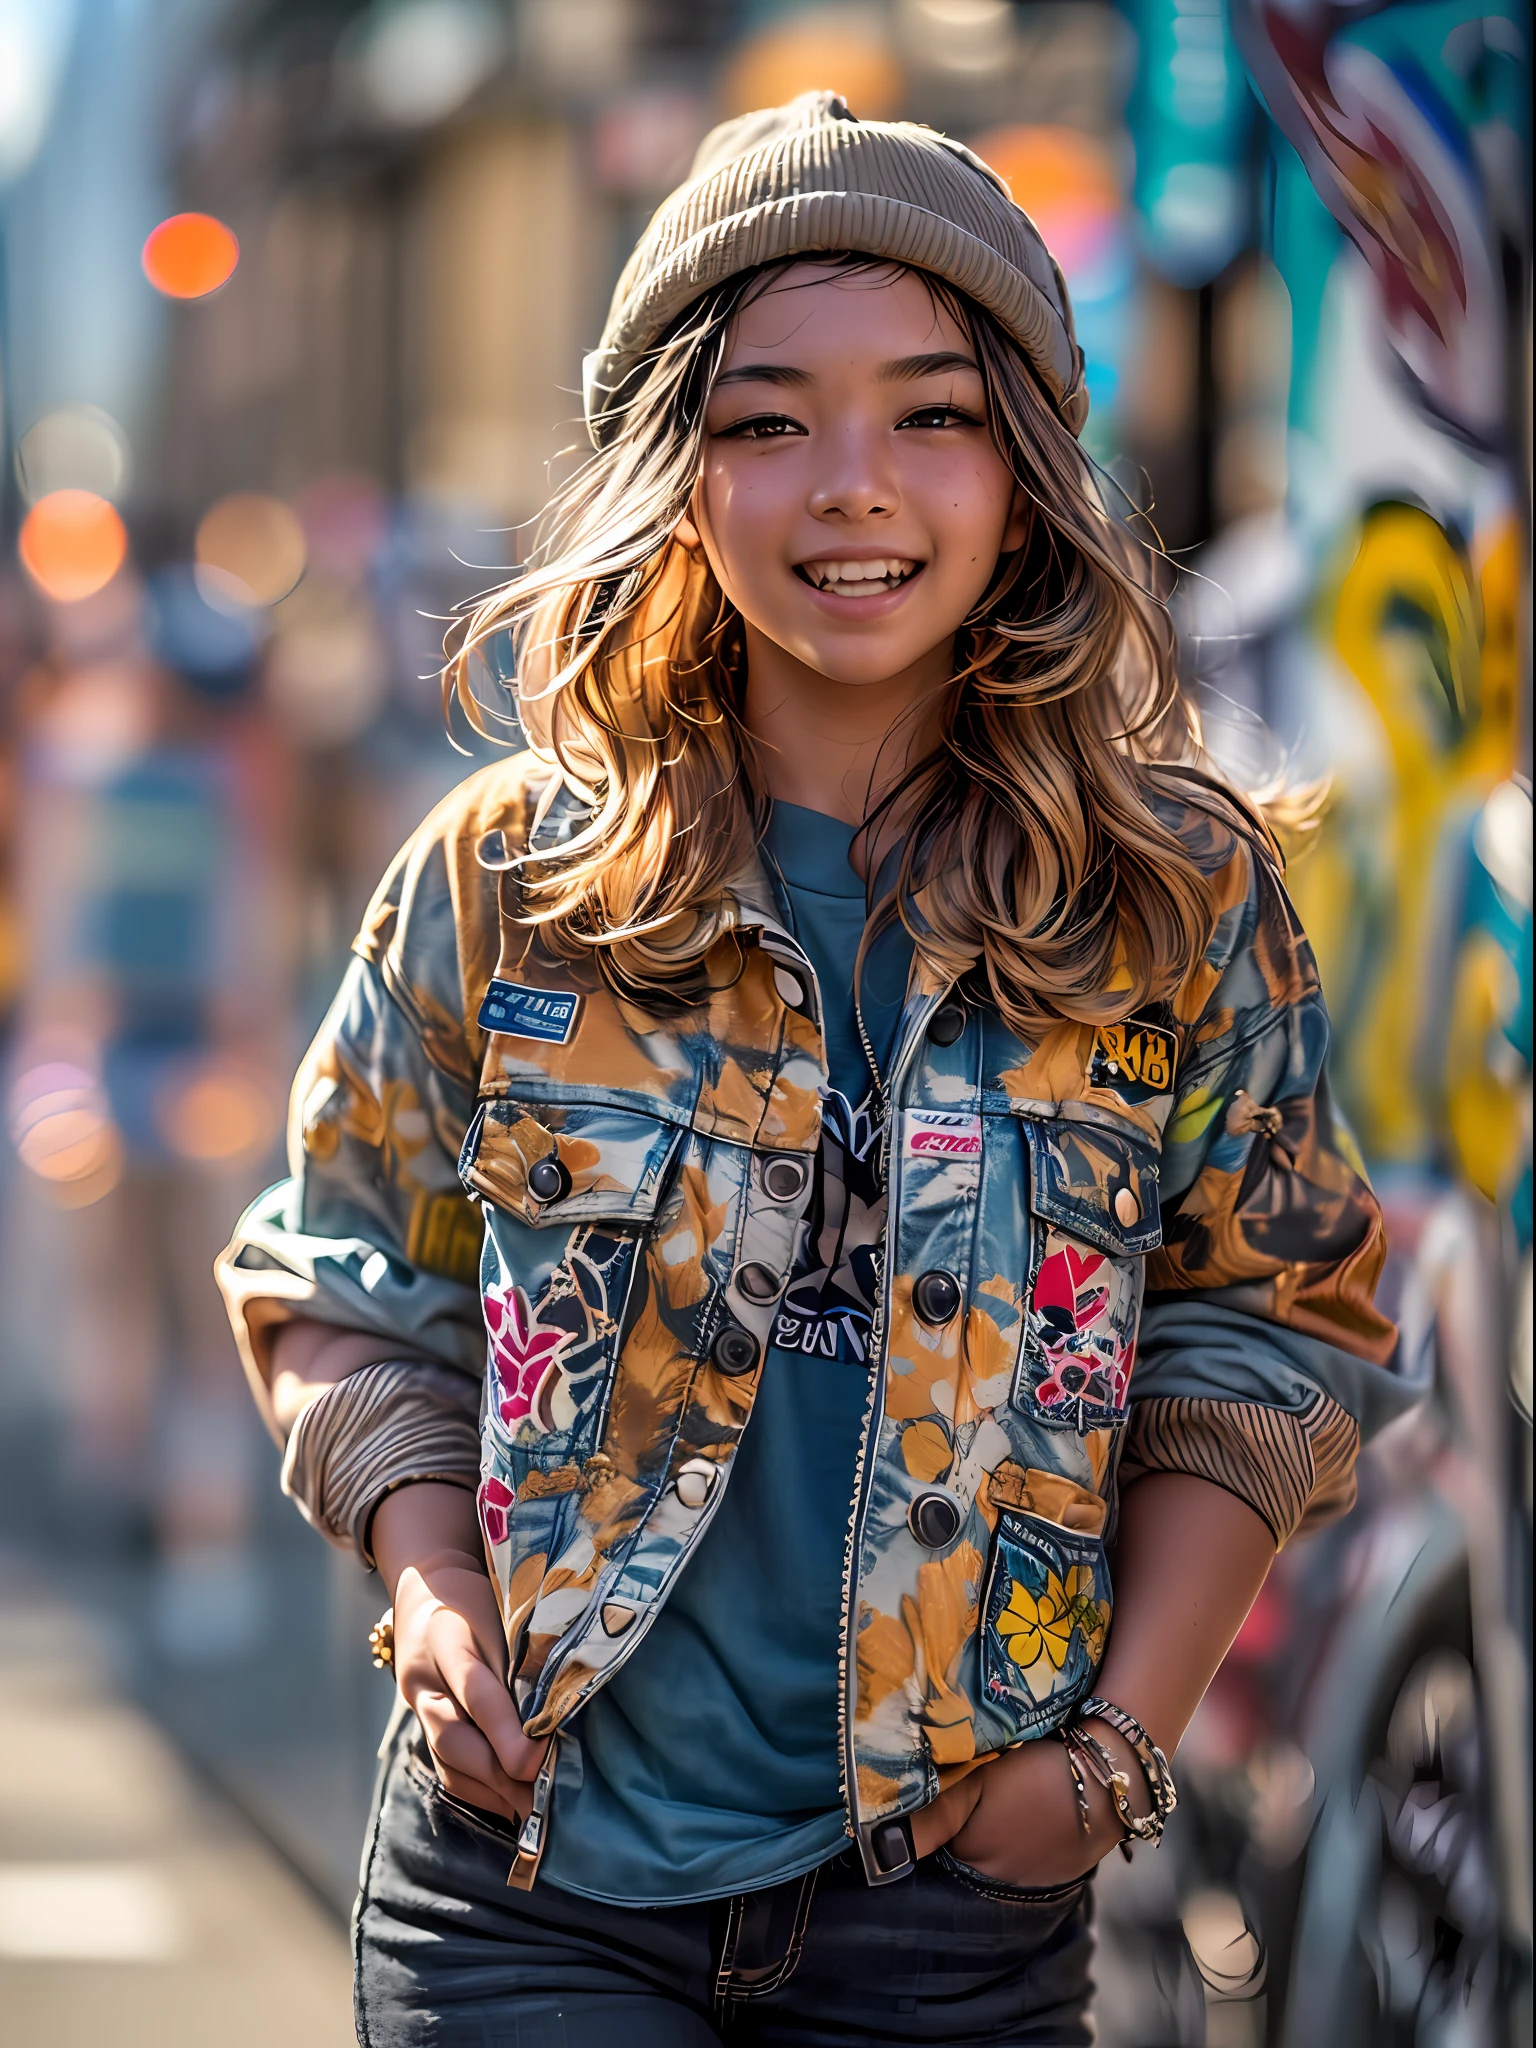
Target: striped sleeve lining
x=381 y=1427
x=1293 y=1467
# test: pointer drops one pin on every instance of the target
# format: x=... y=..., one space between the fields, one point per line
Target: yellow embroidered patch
x=1133 y=1057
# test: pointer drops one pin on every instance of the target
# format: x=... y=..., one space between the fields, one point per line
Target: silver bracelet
x=1154 y=1765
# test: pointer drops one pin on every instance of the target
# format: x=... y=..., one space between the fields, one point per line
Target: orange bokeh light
x=72 y=544
x=1067 y=183
x=190 y=255
x=809 y=52
x=219 y=1112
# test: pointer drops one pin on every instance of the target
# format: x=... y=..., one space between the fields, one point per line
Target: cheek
x=970 y=507
x=745 y=510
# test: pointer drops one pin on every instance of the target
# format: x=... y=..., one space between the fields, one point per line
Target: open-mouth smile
x=839 y=577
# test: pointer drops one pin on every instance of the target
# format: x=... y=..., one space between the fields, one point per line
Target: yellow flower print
x=1040 y=1625
x=1035 y=1626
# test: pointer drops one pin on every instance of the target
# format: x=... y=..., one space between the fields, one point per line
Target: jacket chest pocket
x=1094 y=1216
x=570 y=1193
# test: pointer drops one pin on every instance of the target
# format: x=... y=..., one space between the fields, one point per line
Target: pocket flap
x=609 y=1163
x=1096 y=1184
x=1049 y=1496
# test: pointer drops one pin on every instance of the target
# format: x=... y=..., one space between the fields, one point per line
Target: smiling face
x=852 y=504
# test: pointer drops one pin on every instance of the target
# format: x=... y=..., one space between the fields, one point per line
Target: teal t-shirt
x=708 y=1764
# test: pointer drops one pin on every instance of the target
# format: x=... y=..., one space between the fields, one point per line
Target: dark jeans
x=448 y=1956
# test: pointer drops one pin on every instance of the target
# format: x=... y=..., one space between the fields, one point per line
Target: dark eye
x=764 y=426
x=934 y=416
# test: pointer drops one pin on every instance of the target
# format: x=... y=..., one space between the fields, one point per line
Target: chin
x=858 y=667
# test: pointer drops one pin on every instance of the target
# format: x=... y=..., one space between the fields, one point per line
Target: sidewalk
x=136 y=1907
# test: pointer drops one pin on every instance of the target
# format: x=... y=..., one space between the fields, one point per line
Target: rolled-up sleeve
x=382 y=1427
x=1263 y=1361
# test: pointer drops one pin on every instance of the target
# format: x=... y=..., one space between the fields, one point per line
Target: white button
x=1127 y=1208
x=789 y=986
x=695 y=1483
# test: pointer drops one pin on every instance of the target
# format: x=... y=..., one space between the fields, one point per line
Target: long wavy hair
x=1042 y=847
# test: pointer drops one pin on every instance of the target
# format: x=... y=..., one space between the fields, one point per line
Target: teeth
x=854 y=578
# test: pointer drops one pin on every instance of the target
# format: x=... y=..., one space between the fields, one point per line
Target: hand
x=1026 y=1828
x=1191 y=1558
x=1017 y=1818
x=450 y=1654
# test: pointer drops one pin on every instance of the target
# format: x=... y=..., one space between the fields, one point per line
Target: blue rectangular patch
x=547 y=1014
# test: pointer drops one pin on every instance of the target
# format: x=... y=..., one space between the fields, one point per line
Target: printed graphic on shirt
x=829 y=1304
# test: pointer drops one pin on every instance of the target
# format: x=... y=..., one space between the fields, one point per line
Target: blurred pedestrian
x=142 y=1092
x=863 y=1013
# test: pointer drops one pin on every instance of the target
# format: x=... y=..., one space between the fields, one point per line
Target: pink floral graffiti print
x=522 y=1353
x=1089 y=1359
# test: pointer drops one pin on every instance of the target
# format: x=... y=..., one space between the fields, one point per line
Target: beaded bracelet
x=381 y=1640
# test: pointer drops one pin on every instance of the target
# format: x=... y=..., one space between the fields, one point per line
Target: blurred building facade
x=1298 y=241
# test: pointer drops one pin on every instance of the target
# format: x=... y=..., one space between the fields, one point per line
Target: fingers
x=476 y=1604
x=489 y=1705
x=465 y=1761
x=470 y=1792
x=1025 y=1829
x=941 y=1820
x=481 y=1693
x=450 y=1658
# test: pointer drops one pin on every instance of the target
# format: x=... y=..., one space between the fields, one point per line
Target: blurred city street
x=294 y=296
x=137 y=1906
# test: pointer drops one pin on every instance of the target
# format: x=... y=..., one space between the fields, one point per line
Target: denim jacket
x=500 y=1163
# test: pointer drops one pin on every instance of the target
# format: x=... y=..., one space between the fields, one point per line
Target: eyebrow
x=902 y=371
x=907 y=367
x=764 y=373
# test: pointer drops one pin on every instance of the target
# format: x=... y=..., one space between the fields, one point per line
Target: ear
x=1021 y=515
x=687 y=534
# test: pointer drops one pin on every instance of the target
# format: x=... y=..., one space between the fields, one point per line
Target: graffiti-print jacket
x=499 y=1163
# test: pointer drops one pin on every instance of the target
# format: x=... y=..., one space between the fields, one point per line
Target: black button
x=757 y=1283
x=936 y=1296
x=734 y=1351
x=934 y=1519
x=948 y=1023
x=783 y=1179
x=547 y=1180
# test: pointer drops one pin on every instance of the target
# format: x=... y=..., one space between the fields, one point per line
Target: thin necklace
x=882 y=1104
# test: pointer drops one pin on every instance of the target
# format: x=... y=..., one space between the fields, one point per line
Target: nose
x=857 y=481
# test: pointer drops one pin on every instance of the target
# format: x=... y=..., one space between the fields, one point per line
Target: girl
x=859 y=1082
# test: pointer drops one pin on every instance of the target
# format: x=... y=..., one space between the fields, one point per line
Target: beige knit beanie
x=809 y=178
